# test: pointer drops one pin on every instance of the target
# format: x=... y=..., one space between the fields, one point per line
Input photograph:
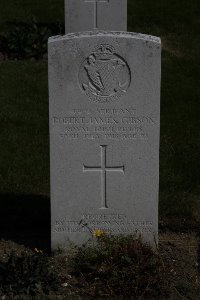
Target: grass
x=23 y=10
x=104 y=267
x=118 y=266
x=180 y=139
x=24 y=158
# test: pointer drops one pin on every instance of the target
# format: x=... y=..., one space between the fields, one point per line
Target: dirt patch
x=51 y=275
x=180 y=256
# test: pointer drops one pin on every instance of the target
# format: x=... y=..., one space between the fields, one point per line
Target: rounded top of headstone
x=100 y=33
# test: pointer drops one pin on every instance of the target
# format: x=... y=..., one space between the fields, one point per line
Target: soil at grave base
x=179 y=254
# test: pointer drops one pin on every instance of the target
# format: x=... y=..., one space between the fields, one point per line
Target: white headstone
x=84 y=15
x=104 y=134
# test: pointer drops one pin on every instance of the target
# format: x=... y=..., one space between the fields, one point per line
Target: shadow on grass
x=25 y=219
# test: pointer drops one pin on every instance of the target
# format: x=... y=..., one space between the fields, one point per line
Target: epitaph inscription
x=108 y=223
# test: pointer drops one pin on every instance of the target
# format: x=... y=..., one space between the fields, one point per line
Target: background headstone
x=84 y=15
x=104 y=134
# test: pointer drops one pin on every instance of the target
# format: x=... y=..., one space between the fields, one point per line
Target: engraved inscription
x=103 y=169
x=104 y=124
x=104 y=76
x=95 y=2
x=109 y=223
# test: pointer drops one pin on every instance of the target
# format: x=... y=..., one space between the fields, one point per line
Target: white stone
x=83 y=15
x=104 y=92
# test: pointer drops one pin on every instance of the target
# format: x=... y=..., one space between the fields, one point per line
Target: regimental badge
x=104 y=76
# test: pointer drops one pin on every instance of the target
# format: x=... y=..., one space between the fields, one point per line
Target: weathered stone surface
x=104 y=134
x=82 y=15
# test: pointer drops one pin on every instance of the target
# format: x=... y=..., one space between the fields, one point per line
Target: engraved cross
x=103 y=169
x=96 y=9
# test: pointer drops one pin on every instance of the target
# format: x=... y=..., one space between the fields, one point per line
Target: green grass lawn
x=24 y=157
x=24 y=152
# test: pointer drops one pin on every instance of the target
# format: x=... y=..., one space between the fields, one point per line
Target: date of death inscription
x=108 y=223
x=110 y=124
